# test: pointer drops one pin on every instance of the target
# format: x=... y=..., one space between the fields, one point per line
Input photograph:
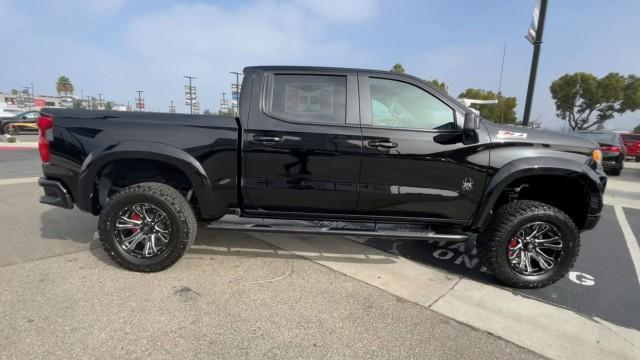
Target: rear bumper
x=54 y=193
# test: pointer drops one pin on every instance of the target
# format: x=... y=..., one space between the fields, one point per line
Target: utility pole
x=172 y=108
x=538 y=21
x=139 y=103
x=100 y=107
x=190 y=92
x=235 y=93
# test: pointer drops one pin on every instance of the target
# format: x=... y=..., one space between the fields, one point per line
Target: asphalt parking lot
x=238 y=295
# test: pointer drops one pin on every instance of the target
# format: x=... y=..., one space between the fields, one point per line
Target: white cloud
x=347 y=11
x=209 y=41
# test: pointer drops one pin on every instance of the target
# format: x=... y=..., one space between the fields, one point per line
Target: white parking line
x=18 y=181
x=632 y=242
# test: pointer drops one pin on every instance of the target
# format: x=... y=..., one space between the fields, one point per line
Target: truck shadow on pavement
x=59 y=224
x=227 y=243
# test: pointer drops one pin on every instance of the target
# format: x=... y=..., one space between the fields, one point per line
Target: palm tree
x=64 y=86
x=398 y=68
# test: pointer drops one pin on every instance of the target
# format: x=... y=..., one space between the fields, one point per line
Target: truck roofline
x=353 y=70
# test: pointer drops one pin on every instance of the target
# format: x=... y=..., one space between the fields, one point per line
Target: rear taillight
x=45 y=124
x=611 y=149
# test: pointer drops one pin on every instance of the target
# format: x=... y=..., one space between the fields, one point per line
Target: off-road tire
x=10 y=130
x=169 y=200
x=492 y=243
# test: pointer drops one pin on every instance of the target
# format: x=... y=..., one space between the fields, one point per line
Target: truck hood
x=552 y=139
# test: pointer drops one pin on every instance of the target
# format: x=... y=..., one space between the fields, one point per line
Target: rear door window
x=309 y=98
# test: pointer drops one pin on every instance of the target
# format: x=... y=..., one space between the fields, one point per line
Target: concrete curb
x=18 y=145
x=546 y=329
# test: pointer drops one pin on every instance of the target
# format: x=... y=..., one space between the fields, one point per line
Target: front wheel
x=530 y=244
x=147 y=227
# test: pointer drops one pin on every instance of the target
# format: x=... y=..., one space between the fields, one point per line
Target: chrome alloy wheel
x=535 y=249
x=142 y=230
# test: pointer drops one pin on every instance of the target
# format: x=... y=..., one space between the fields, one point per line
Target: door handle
x=383 y=143
x=267 y=139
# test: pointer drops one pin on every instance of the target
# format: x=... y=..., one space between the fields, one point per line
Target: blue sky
x=118 y=46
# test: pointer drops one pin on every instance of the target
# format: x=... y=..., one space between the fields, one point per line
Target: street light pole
x=190 y=92
x=534 y=62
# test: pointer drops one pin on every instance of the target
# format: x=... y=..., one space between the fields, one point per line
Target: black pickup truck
x=327 y=150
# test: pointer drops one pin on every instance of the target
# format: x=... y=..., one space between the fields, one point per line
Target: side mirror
x=471 y=124
x=471 y=121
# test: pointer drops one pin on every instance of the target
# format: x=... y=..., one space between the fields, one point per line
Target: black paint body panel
x=321 y=171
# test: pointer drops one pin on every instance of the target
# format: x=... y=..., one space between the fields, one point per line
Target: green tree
x=108 y=105
x=14 y=92
x=637 y=130
x=64 y=86
x=398 y=68
x=440 y=85
x=229 y=112
x=502 y=112
x=585 y=101
x=78 y=104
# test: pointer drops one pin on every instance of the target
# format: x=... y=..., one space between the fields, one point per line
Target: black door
x=303 y=144
x=414 y=163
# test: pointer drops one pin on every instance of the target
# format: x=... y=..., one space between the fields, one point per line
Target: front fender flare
x=524 y=167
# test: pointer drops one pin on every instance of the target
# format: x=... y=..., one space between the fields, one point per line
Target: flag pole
x=537 y=43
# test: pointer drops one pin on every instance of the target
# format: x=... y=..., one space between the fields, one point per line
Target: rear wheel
x=530 y=244
x=10 y=130
x=147 y=227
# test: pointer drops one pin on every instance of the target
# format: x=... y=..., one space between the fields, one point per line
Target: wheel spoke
x=149 y=246
x=515 y=251
x=543 y=264
x=545 y=257
x=131 y=242
x=550 y=246
x=124 y=223
x=163 y=237
x=527 y=258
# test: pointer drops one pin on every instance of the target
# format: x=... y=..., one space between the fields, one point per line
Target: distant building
x=23 y=101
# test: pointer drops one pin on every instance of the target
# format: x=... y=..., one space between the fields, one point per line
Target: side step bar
x=397 y=231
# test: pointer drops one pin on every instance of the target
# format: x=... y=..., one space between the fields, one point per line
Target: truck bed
x=205 y=147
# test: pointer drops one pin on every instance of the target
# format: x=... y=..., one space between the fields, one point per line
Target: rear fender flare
x=143 y=150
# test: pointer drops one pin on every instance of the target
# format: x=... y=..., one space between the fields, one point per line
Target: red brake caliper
x=135 y=217
x=513 y=243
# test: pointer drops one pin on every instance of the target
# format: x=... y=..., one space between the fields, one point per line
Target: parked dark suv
x=612 y=146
